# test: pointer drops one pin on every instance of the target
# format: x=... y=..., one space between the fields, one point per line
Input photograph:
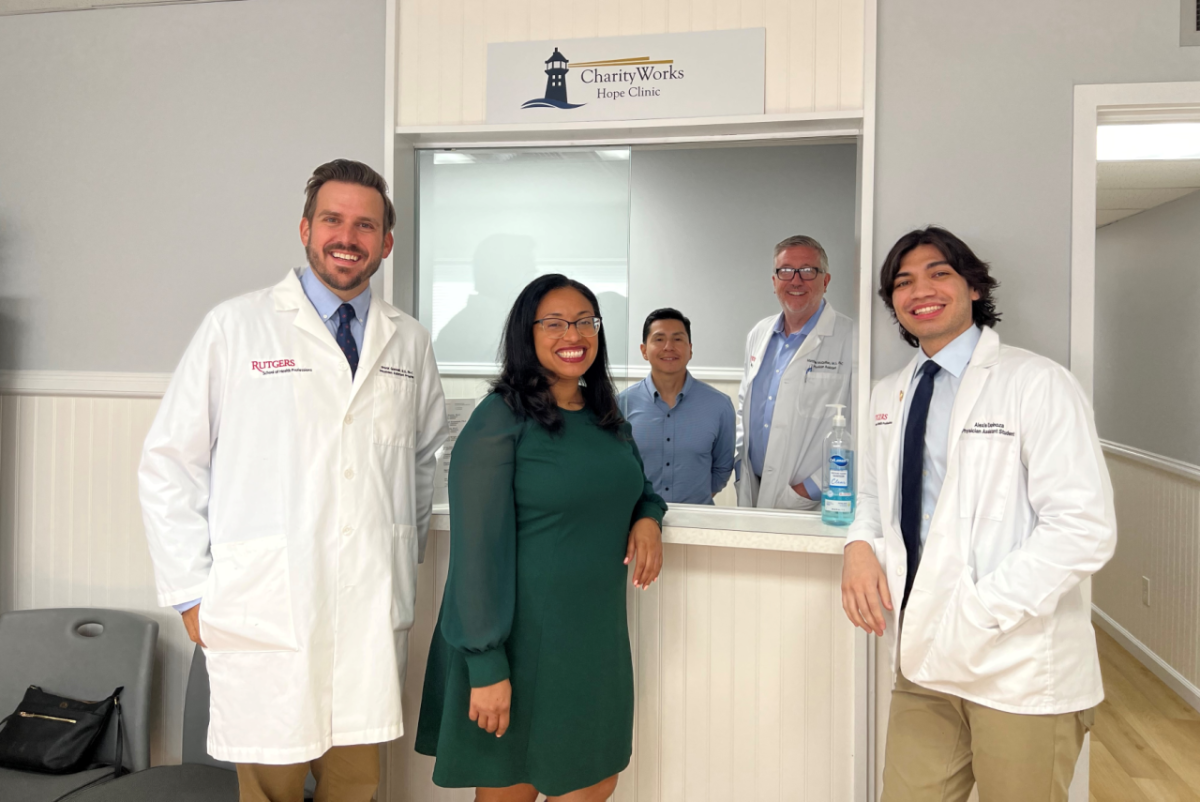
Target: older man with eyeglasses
x=797 y=363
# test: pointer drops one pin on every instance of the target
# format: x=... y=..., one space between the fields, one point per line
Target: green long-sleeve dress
x=536 y=594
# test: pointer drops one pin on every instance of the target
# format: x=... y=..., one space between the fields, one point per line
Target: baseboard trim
x=83 y=383
x=1174 y=680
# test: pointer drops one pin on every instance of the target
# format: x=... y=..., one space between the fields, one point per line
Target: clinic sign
x=705 y=74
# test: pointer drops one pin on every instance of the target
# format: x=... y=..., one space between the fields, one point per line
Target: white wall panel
x=814 y=54
x=743 y=691
x=1158 y=525
x=71 y=528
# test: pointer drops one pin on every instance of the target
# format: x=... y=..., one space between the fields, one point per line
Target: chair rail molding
x=83 y=383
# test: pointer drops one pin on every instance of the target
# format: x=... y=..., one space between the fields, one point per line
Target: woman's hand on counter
x=864 y=588
x=490 y=706
x=645 y=545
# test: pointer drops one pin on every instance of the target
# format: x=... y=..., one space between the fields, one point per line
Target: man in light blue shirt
x=984 y=503
x=683 y=428
x=798 y=362
x=780 y=350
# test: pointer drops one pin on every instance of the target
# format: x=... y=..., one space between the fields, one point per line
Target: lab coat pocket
x=971 y=652
x=394 y=410
x=247 y=605
x=824 y=388
x=985 y=466
x=963 y=644
x=404 y=575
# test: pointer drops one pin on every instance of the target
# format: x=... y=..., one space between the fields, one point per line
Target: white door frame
x=1094 y=104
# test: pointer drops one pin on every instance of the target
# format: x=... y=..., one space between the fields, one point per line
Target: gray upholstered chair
x=83 y=653
x=201 y=778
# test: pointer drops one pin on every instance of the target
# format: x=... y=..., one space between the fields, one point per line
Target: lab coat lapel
x=289 y=295
x=378 y=333
x=760 y=351
x=987 y=353
x=822 y=329
x=896 y=413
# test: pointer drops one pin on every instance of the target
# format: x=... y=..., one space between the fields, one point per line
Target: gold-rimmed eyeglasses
x=556 y=327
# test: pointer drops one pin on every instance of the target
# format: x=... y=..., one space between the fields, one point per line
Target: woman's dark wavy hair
x=959 y=256
x=525 y=385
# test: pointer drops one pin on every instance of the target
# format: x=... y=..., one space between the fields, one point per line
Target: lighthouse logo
x=615 y=79
x=556 y=85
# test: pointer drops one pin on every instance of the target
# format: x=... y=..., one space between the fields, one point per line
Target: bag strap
x=118 y=768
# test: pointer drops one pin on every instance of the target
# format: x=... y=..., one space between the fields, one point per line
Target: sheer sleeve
x=480 y=598
x=650 y=505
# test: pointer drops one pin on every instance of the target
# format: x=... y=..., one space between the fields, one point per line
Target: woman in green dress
x=529 y=684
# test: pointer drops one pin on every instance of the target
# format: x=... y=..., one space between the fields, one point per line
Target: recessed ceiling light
x=450 y=157
x=614 y=155
x=1151 y=141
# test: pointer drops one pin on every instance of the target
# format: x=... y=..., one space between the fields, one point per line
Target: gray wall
x=704 y=221
x=974 y=132
x=1147 y=326
x=154 y=162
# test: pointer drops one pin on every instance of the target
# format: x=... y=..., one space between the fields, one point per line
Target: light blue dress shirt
x=326 y=304
x=765 y=389
x=687 y=450
x=953 y=360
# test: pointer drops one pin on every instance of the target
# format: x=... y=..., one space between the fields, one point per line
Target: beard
x=338 y=281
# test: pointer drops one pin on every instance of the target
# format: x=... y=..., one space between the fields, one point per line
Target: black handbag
x=55 y=734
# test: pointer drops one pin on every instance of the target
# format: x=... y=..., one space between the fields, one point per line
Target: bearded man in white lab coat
x=796 y=364
x=286 y=486
x=984 y=502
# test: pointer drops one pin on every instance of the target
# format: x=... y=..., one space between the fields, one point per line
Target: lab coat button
x=349 y=473
x=899 y=570
x=347 y=530
x=349 y=419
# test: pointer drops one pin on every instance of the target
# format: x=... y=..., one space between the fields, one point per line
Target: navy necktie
x=912 y=471
x=345 y=339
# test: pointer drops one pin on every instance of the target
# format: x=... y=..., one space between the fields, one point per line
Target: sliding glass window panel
x=490 y=221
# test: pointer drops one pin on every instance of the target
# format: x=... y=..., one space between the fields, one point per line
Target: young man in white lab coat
x=984 y=502
x=796 y=363
x=286 y=487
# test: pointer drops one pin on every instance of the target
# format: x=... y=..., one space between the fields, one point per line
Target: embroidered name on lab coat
x=404 y=373
x=989 y=428
x=824 y=365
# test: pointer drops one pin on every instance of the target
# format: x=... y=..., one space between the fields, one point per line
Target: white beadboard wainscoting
x=745 y=675
x=814 y=52
x=1158 y=523
x=71 y=527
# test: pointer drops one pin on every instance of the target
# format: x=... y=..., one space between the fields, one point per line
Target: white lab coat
x=295 y=504
x=819 y=374
x=996 y=614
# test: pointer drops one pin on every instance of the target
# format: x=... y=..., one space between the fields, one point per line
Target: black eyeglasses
x=806 y=273
x=556 y=327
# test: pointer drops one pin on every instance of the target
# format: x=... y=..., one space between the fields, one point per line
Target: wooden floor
x=1146 y=742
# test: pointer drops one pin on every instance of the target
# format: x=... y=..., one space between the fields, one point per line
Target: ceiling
x=1126 y=188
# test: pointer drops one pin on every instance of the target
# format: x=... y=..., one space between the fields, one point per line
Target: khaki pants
x=343 y=774
x=939 y=746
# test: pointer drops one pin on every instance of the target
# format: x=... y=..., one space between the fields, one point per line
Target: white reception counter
x=751 y=683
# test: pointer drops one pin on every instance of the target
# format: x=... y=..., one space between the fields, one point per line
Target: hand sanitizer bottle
x=837 y=498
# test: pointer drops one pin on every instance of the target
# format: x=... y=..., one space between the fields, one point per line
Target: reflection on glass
x=492 y=220
x=689 y=229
